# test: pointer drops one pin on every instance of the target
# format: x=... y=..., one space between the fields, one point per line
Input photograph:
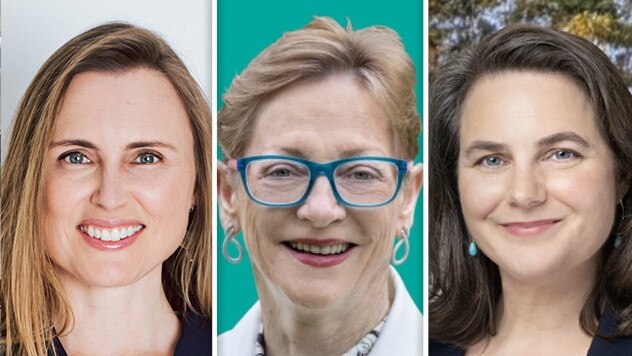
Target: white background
x=33 y=29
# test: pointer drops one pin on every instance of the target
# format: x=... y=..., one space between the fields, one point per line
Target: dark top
x=195 y=339
x=598 y=346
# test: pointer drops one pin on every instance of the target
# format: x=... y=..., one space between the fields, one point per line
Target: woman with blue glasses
x=319 y=133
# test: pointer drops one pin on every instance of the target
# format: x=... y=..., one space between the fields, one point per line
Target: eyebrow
x=295 y=152
x=561 y=137
x=480 y=145
x=143 y=144
x=344 y=153
x=73 y=142
x=352 y=152
x=130 y=146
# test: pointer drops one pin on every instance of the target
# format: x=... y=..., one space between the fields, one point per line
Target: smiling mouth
x=113 y=234
x=320 y=253
x=530 y=228
x=331 y=249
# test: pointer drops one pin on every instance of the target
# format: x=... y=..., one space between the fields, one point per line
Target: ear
x=227 y=196
x=412 y=186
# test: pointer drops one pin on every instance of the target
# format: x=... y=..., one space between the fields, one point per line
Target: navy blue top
x=195 y=339
x=598 y=346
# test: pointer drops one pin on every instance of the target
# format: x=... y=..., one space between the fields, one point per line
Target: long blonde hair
x=31 y=294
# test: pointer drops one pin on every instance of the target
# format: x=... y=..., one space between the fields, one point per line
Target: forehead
x=524 y=104
x=134 y=104
x=324 y=117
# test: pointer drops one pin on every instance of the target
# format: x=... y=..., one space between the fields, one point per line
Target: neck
x=133 y=319
x=542 y=316
x=291 y=329
x=544 y=306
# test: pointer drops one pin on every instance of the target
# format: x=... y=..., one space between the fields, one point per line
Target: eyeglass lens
x=362 y=182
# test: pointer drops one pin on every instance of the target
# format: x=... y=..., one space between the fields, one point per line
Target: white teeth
x=106 y=236
x=320 y=250
x=110 y=234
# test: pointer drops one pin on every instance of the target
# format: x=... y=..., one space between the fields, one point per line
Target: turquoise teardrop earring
x=472 y=249
x=617 y=240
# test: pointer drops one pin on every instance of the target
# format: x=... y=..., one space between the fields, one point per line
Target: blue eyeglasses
x=284 y=181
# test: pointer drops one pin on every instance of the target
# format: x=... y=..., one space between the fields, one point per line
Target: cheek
x=263 y=228
x=64 y=196
x=64 y=199
x=163 y=194
x=378 y=229
x=165 y=200
x=250 y=226
x=479 y=194
x=584 y=188
x=261 y=220
x=384 y=245
x=588 y=193
x=259 y=225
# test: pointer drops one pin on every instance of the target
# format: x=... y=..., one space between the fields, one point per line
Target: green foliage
x=455 y=24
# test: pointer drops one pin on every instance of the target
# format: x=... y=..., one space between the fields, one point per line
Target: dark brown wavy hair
x=465 y=291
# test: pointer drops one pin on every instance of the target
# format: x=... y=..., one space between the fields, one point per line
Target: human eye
x=283 y=170
x=491 y=161
x=147 y=158
x=564 y=155
x=363 y=175
x=74 y=158
x=361 y=172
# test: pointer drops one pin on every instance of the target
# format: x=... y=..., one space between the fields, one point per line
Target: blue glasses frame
x=316 y=170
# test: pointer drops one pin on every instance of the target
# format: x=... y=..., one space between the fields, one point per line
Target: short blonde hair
x=31 y=295
x=374 y=55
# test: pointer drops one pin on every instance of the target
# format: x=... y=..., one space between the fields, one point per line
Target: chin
x=532 y=270
x=103 y=275
x=112 y=278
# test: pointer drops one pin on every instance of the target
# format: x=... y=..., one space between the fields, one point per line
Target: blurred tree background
x=455 y=24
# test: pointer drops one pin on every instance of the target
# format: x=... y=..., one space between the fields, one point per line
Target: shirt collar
x=362 y=348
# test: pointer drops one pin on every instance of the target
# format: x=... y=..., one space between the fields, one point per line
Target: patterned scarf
x=362 y=348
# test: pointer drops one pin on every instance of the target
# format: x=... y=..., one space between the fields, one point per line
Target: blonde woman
x=106 y=203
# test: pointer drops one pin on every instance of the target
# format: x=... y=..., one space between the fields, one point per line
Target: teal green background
x=245 y=28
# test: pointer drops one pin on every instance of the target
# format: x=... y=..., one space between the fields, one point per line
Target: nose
x=109 y=193
x=321 y=207
x=527 y=188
